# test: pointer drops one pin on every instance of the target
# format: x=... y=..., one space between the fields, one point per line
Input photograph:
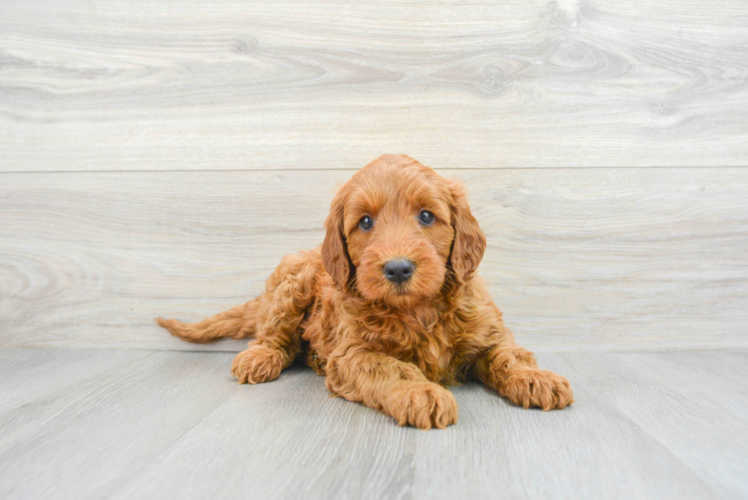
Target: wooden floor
x=100 y=423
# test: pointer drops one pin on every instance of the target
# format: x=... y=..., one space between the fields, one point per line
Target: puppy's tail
x=238 y=323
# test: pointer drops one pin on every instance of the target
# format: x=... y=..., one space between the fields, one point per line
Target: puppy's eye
x=365 y=223
x=426 y=218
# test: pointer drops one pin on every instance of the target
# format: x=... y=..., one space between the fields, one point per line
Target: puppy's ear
x=469 y=241
x=335 y=257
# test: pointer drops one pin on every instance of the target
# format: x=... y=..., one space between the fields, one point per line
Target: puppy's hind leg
x=289 y=292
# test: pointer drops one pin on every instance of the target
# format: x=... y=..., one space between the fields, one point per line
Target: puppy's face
x=397 y=230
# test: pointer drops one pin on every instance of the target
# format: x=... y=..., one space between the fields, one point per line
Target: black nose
x=399 y=270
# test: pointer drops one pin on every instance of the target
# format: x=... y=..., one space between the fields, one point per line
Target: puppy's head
x=397 y=231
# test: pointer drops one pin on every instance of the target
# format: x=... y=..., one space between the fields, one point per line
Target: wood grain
x=30 y=375
x=174 y=425
x=585 y=453
x=622 y=259
x=101 y=431
x=689 y=388
x=159 y=158
x=229 y=84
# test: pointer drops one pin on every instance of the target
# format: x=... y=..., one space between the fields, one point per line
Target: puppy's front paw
x=541 y=388
x=258 y=364
x=423 y=405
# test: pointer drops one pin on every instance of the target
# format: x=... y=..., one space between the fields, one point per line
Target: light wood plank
x=231 y=84
x=577 y=259
x=293 y=440
x=90 y=438
x=497 y=449
x=30 y=375
x=174 y=424
x=694 y=404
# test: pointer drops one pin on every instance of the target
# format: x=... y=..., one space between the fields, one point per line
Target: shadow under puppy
x=389 y=309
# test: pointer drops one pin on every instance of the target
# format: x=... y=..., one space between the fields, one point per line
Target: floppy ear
x=335 y=257
x=469 y=241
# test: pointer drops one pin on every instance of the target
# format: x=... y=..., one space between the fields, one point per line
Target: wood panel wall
x=159 y=158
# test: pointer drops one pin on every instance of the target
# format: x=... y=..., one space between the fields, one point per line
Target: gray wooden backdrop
x=159 y=158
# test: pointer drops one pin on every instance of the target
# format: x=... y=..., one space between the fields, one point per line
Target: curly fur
x=391 y=347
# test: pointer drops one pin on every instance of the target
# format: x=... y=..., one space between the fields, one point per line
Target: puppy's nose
x=399 y=270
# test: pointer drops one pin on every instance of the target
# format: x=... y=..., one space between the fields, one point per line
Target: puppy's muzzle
x=399 y=270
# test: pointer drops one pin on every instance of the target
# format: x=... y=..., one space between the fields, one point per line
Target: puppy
x=389 y=309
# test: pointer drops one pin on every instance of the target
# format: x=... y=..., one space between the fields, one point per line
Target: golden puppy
x=388 y=309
